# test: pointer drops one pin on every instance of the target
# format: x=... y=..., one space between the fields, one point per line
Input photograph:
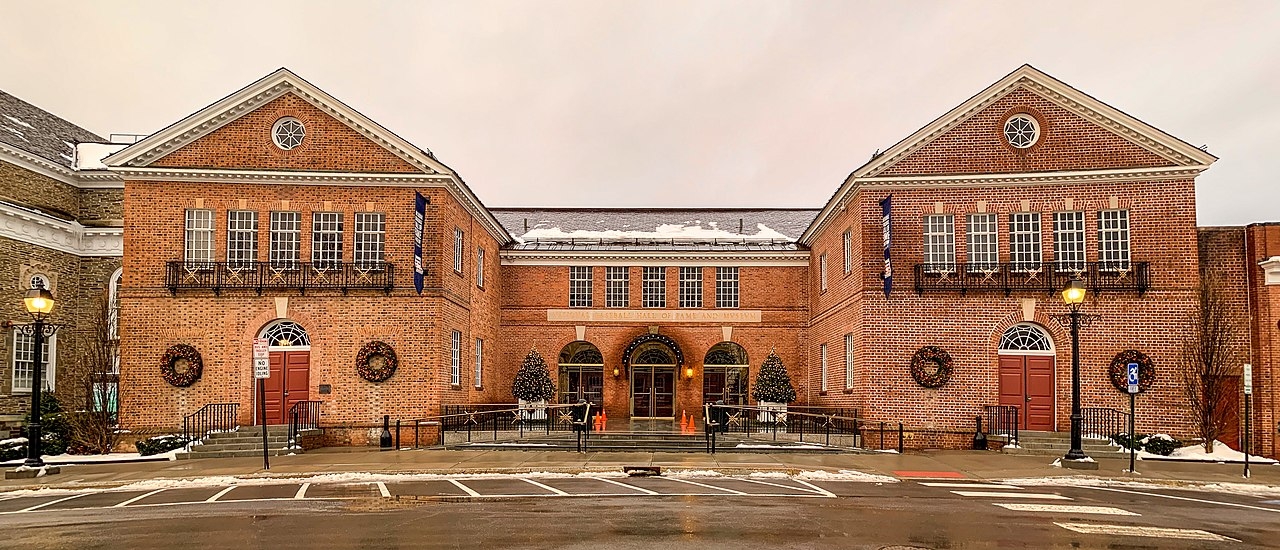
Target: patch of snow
x=18 y=121
x=1085 y=459
x=1221 y=453
x=845 y=475
x=751 y=446
x=696 y=473
x=1057 y=463
x=1012 y=446
x=483 y=444
x=769 y=475
x=888 y=451
x=13 y=441
x=17 y=132
x=670 y=231
x=89 y=155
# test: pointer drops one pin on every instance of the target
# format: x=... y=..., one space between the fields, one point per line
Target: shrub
x=13 y=448
x=159 y=444
x=1128 y=442
x=1161 y=444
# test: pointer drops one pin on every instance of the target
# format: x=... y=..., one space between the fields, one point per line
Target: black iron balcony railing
x=1046 y=277
x=259 y=276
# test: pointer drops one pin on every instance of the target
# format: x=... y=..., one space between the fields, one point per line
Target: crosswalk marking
x=779 y=485
x=382 y=490
x=621 y=484
x=136 y=499
x=469 y=490
x=302 y=491
x=1143 y=531
x=545 y=486
x=42 y=505
x=993 y=494
x=730 y=491
x=1065 y=509
x=1175 y=497
x=972 y=485
x=220 y=494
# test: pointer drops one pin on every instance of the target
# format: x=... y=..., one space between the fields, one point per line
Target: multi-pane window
x=847 y=240
x=455 y=358
x=1024 y=241
x=579 y=286
x=370 y=239
x=940 y=242
x=286 y=239
x=457 y=250
x=479 y=361
x=1068 y=241
x=822 y=272
x=242 y=238
x=326 y=240
x=726 y=287
x=480 y=267
x=984 y=252
x=1113 y=239
x=198 y=248
x=822 y=353
x=691 y=287
x=24 y=347
x=616 y=286
x=848 y=360
x=654 y=287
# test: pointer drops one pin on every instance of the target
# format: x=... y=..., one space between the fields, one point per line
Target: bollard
x=384 y=441
x=979 y=438
x=900 y=449
x=882 y=436
x=397 y=434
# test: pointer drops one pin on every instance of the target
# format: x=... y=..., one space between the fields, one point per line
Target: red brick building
x=280 y=212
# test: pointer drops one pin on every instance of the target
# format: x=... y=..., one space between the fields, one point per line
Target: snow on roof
x=89 y=155
x=34 y=130
x=654 y=227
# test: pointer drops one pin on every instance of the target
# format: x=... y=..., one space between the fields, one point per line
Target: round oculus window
x=1021 y=131
x=288 y=133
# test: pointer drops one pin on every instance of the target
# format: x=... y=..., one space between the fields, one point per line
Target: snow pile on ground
x=1221 y=453
x=845 y=475
x=664 y=232
x=768 y=475
x=695 y=473
x=799 y=446
x=1248 y=489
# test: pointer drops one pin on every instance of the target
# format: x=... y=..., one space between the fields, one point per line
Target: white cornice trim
x=1271 y=270
x=799 y=258
x=96 y=179
x=61 y=235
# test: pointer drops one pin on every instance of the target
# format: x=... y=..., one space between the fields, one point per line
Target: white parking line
x=302 y=491
x=220 y=494
x=1065 y=509
x=824 y=492
x=136 y=499
x=993 y=494
x=621 y=484
x=469 y=490
x=545 y=486
x=730 y=491
x=382 y=490
x=1141 y=531
x=52 y=502
x=1186 y=498
x=792 y=487
x=970 y=485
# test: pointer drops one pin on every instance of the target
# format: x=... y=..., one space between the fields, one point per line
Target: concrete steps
x=646 y=442
x=244 y=442
x=1057 y=444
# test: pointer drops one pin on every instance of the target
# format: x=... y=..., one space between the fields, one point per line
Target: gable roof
x=1180 y=153
x=137 y=158
x=655 y=229
x=37 y=131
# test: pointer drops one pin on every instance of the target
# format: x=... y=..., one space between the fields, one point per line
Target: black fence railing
x=495 y=421
x=1046 y=277
x=214 y=417
x=260 y=276
x=1102 y=422
x=303 y=416
x=1003 y=420
x=818 y=424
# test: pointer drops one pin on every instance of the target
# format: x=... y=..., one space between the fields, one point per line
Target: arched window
x=581 y=353
x=582 y=374
x=652 y=353
x=726 y=353
x=725 y=374
x=286 y=335
x=1026 y=338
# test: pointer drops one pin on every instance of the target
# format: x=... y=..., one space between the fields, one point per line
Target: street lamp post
x=1073 y=296
x=39 y=303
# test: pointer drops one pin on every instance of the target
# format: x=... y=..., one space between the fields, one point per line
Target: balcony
x=1045 y=277
x=260 y=276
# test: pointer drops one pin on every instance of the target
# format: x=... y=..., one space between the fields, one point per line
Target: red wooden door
x=1026 y=382
x=289 y=383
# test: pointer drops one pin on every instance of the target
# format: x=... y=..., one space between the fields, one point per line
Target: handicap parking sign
x=1133 y=378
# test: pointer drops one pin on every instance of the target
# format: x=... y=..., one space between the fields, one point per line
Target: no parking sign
x=261 y=359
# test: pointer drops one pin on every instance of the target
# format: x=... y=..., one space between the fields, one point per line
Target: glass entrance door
x=653 y=391
x=728 y=384
x=582 y=383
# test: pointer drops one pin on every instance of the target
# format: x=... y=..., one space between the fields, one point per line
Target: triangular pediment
x=235 y=134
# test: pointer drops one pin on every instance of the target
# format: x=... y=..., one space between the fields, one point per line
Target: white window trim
x=822 y=272
x=622 y=296
x=691 y=288
x=724 y=298
x=1126 y=261
x=848 y=360
x=1037 y=222
x=276 y=238
x=206 y=255
x=581 y=289
x=459 y=239
x=239 y=235
x=822 y=352
x=50 y=369
x=479 y=362
x=657 y=298
x=480 y=267
x=847 y=242
x=369 y=246
x=940 y=242
x=455 y=358
x=1078 y=230
x=991 y=248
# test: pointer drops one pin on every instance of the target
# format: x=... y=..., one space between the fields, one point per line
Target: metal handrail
x=303 y=415
x=1045 y=276
x=260 y=276
x=1003 y=420
x=213 y=417
x=747 y=419
x=1103 y=422
x=494 y=418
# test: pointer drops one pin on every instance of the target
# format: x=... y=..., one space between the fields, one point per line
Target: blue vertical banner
x=419 y=220
x=886 y=226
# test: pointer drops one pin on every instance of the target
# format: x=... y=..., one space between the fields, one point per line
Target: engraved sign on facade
x=652 y=315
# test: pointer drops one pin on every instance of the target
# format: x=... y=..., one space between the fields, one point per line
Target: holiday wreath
x=376 y=361
x=931 y=366
x=1119 y=370
x=181 y=365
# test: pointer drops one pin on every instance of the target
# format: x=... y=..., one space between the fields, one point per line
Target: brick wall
x=1263 y=242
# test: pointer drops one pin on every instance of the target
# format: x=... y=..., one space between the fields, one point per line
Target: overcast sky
x=597 y=103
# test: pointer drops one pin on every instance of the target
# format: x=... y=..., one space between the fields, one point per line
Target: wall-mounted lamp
x=688 y=372
x=616 y=372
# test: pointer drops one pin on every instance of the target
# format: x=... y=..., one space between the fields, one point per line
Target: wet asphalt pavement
x=669 y=513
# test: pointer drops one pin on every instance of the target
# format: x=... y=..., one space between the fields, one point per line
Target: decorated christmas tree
x=533 y=381
x=773 y=384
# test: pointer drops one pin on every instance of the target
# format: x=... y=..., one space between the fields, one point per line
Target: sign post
x=261 y=372
x=1133 y=394
x=1248 y=392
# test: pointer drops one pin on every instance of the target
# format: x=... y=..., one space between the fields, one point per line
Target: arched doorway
x=290 y=380
x=1027 y=375
x=582 y=374
x=724 y=374
x=653 y=360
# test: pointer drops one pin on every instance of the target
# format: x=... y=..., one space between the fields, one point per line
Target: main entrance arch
x=653 y=360
x=724 y=374
x=582 y=374
x=290 y=380
x=1026 y=375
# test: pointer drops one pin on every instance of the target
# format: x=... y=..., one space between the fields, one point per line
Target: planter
x=770 y=411
x=533 y=410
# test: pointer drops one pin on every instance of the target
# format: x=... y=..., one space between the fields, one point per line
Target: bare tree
x=88 y=388
x=1210 y=353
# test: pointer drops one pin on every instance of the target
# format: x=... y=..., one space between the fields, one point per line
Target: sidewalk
x=967 y=464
